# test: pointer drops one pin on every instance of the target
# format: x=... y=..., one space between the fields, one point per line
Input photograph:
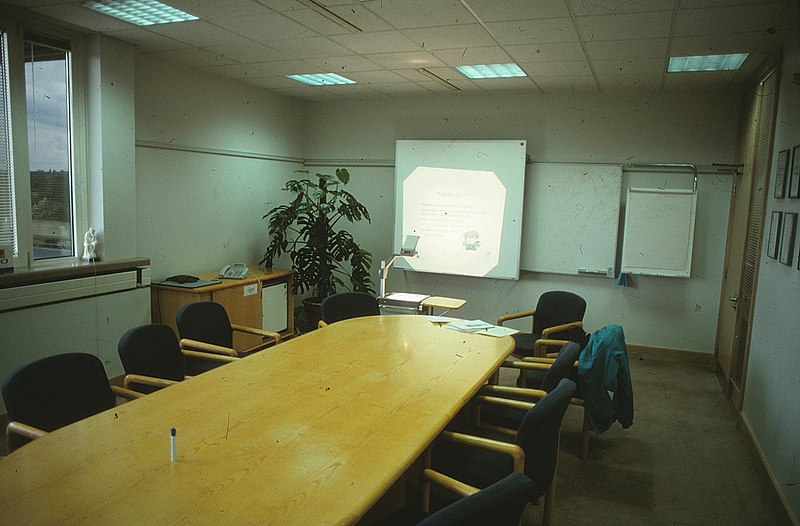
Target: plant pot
x=312 y=308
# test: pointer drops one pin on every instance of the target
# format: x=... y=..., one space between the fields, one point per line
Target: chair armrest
x=321 y=324
x=505 y=390
x=561 y=328
x=456 y=486
x=258 y=332
x=24 y=430
x=208 y=356
x=514 y=451
x=194 y=345
x=140 y=379
x=524 y=364
x=515 y=315
x=540 y=346
x=126 y=393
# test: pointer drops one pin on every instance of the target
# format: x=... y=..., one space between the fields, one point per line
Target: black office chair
x=538 y=376
x=204 y=326
x=153 y=359
x=52 y=392
x=345 y=305
x=558 y=316
x=471 y=457
x=500 y=504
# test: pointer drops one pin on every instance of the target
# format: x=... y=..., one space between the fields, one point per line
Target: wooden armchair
x=558 y=316
x=52 y=392
x=204 y=327
x=462 y=461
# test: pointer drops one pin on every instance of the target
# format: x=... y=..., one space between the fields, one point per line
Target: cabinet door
x=274 y=307
x=243 y=305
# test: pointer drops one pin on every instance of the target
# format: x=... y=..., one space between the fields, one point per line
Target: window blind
x=8 y=223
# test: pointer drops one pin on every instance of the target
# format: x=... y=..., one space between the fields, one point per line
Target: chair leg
x=585 y=433
x=549 y=503
x=425 y=484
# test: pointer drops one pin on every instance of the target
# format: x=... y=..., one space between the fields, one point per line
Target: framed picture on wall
x=774 y=241
x=780 y=174
x=794 y=178
x=787 y=238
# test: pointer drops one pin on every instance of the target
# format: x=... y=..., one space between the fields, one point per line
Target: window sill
x=25 y=276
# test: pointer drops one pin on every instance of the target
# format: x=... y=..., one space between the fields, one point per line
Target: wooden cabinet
x=243 y=299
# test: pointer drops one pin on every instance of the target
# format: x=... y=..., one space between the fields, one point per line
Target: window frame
x=15 y=31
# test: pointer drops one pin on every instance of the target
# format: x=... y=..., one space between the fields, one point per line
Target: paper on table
x=469 y=325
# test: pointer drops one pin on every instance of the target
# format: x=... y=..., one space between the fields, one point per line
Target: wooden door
x=745 y=229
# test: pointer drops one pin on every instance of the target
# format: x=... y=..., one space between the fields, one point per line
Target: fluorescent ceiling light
x=491 y=71
x=140 y=12
x=321 y=79
x=707 y=63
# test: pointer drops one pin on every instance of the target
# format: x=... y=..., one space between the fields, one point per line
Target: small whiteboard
x=659 y=232
x=570 y=223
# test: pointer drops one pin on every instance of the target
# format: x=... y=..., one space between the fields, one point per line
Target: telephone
x=235 y=271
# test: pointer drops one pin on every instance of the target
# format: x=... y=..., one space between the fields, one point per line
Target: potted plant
x=324 y=259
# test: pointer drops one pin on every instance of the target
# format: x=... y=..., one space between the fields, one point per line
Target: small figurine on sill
x=89 y=244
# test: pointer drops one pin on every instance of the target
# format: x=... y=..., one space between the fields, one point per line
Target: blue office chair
x=558 y=316
x=153 y=359
x=346 y=305
x=53 y=392
x=463 y=463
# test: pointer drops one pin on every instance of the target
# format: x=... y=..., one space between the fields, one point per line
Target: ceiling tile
x=547 y=52
x=516 y=83
x=195 y=33
x=316 y=22
x=473 y=55
x=652 y=67
x=628 y=26
x=401 y=89
x=309 y=47
x=375 y=77
x=287 y=67
x=628 y=83
x=380 y=42
x=714 y=44
x=410 y=59
x=622 y=49
x=212 y=9
x=146 y=41
x=615 y=7
x=447 y=37
x=407 y=14
x=567 y=84
x=193 y=57
x=534 y=31
x=361 y=17
x=266 y=28
x=504 y=10
x=720 y=20
x=556 y=69
x=246 y=51
x=343 y=65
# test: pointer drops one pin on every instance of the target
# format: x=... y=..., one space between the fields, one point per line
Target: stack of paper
x=480 y=327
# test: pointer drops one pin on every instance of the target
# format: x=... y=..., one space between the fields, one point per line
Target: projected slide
x=464 y=201
x=458 y=216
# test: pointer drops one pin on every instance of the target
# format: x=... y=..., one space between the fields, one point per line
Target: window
x=38 y=213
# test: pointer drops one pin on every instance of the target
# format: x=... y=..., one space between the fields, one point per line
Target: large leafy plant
x=324 y=259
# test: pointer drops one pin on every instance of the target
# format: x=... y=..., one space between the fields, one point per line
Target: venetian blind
x=7 y=216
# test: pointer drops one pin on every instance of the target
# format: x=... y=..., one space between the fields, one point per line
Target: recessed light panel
x=730 y=62
x=321 y=79
x=491 y=71
x=140 y=12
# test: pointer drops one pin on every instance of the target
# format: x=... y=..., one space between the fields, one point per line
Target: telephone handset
x=235 y=271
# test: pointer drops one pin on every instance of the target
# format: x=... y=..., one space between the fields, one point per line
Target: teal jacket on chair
x=605 y=379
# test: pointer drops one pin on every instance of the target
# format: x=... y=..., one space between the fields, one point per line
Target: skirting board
x=748 y=432
x=669 y=355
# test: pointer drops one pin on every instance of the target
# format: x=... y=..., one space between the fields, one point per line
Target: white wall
x=198 y=210
x=701 y=129
x=772 y=386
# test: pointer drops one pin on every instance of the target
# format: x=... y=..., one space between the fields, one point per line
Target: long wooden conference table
x=312 y=431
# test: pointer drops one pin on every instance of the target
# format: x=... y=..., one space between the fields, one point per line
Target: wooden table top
x=312 y=431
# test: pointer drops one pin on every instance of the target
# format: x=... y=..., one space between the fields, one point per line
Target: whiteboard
x=464 y=200
x=659 y=232
x=570 y=223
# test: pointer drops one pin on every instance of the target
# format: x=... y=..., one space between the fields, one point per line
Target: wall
x=773 y=371
x=700 y=128
x=211 y=158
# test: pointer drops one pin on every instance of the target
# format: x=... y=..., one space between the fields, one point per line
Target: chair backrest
x=500 y=504
x=563 y=367
x=205 y=321
x=58 y=390
x=152 y=350
x=556 y=308
x=345 y=305
x=539 y=434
